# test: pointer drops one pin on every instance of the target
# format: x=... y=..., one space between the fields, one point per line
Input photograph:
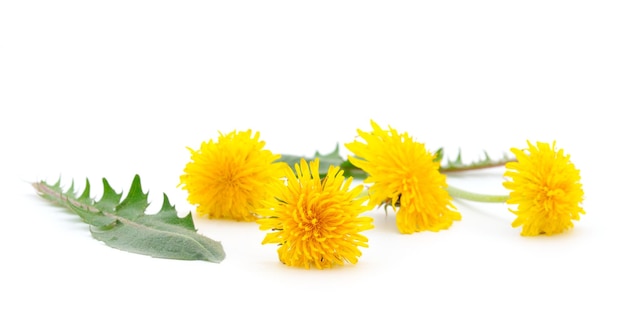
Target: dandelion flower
x=545 y=186
x=402 y=170
x=229 y=178
x=316 y=222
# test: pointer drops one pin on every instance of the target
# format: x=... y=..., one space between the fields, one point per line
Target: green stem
x=462 y=194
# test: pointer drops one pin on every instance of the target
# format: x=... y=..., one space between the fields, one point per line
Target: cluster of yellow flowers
x=317 y=221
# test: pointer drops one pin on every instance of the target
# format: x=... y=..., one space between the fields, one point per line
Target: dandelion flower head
x=228 y=178
x=316 y=222
x=402 y=170
x=545 y=186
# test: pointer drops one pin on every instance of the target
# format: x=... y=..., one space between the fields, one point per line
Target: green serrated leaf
x=451 y=165
x=125 y=226
x=438 y=155
x=85 y=196
x=484 y=162
x=135 y=203
x=350 y=170
x=326 y=160
x=109 y=199
x=291 y=160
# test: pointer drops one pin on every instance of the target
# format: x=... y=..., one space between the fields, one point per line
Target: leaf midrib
x=61 y=196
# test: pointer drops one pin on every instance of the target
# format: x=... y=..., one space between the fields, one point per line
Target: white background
x=113 y=88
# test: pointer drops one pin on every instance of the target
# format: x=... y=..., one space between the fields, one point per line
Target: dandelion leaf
x=124 y=225
x=326 y=160
x=458 y=164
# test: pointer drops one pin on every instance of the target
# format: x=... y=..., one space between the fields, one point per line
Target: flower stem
x=462 y=194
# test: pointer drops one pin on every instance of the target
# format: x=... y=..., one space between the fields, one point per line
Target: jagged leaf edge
x=459 y=165
x=87 y=208
x=326 y=160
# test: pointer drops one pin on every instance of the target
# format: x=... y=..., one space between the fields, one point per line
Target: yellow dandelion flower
x=401 y=169
x=316 y=221
x=229 y=178
x=545 y=186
